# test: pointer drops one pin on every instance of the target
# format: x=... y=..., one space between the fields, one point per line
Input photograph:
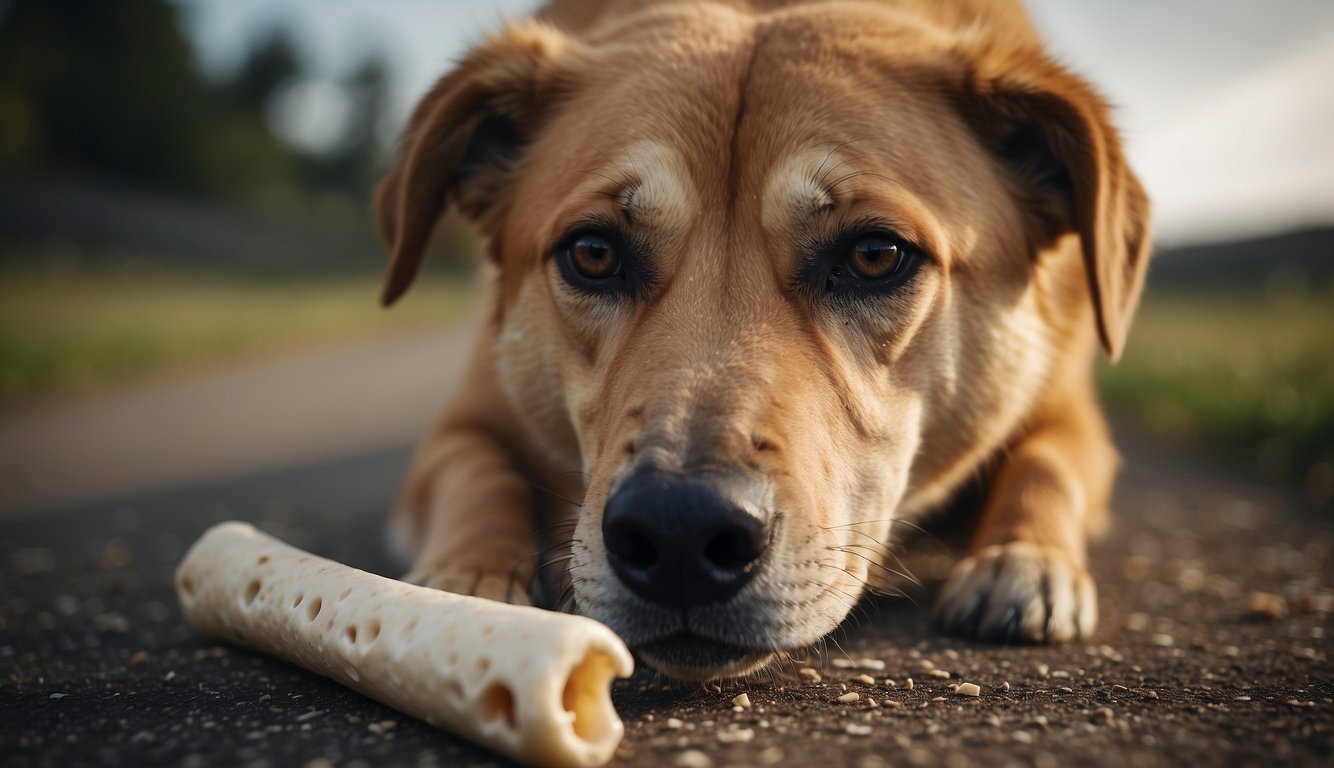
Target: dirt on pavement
x=97 y=666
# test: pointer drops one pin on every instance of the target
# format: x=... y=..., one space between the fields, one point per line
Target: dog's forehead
x=656 y=186
x=765 y=128
x=797 y=186
x=789 y=126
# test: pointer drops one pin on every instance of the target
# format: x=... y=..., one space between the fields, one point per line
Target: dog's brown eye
x=594 y=257
x=875 y=258
x=866 y=264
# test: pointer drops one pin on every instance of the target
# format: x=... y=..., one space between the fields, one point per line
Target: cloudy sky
x=1227 y=106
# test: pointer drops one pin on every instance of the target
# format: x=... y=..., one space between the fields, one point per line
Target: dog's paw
x=472 y=582
x=1019 y=593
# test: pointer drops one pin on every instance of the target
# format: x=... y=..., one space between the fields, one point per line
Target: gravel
x=97 y=667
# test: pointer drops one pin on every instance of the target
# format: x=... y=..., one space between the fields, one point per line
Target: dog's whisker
x=825 y=176
x=840 y=648
x=886 y=549
x=556 y=543
x=871 y=562
x=892 y=521
x=626 y=179
x=591 y=172
x=828 y=563
x=850 y=549
x=902 y=569
x=572 y=502
x=565 y=601
x=614 y=140
x=854 y=526
x=833 y=592
x=874 y=541
x=820 y=174
x=536 y=575
x=877 y=548
x=557 y=559
x=856 y=174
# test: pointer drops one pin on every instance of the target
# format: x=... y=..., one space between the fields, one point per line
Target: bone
x=531 y=684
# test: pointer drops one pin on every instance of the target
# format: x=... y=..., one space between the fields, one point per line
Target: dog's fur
x=727 y=137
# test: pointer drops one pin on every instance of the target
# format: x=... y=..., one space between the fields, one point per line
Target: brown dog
x=765 y=277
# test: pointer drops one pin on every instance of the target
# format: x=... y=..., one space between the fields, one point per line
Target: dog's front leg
x=466 y=512
x=1024 y=579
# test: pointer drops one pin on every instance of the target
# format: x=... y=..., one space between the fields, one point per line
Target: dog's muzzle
x=683 y=541
x=686 y=544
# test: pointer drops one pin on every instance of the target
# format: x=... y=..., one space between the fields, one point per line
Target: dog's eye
x=875 y=258
x=593 y=257
x=869 y=263
x=599 y=261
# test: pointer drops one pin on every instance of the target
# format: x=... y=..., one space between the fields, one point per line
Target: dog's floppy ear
x=462 y=142
x=1055 y=137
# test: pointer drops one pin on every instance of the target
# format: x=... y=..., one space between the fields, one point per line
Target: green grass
x=1238 y=372
x=80 y=331
x=1235 y=372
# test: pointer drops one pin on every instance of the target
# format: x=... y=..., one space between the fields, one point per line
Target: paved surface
x=322 y=405
x=97 y=667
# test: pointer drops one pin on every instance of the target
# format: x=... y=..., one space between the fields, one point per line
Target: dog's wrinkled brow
x=658 y=190
x=797 y=189
x=626 y=201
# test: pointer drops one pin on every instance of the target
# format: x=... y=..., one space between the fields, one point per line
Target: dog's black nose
x=681 y=541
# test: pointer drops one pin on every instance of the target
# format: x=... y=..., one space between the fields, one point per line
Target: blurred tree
x=98 y=83
x=354 y=161
x=110 y=89
x=272 y=64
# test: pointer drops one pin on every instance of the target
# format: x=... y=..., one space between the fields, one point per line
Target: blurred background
x=184 y=187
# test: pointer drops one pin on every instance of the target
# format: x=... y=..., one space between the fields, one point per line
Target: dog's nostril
x=682 y=541
x=632 y=546
x=732 y=550
x=639 y=550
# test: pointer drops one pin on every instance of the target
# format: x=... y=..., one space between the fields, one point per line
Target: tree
x=272 y=64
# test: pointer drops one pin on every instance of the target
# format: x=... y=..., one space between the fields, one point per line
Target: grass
x=77 y=331
x=1240 y=372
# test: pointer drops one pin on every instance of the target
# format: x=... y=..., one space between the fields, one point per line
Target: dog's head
x=770 y=282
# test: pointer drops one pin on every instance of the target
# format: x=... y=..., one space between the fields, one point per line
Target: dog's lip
x=690 y=656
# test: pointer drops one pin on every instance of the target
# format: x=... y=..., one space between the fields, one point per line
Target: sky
x=1226 y=106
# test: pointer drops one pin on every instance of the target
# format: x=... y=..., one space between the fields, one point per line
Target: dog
x=763 y=279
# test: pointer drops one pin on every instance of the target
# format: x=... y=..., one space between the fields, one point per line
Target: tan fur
x=728 y=132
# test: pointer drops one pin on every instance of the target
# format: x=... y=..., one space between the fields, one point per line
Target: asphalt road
x=97 y=666
x=301 y=406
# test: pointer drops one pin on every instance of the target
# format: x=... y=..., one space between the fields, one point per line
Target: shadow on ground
x=97 y=666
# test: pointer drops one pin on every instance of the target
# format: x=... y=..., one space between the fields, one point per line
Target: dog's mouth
x=688 y=656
